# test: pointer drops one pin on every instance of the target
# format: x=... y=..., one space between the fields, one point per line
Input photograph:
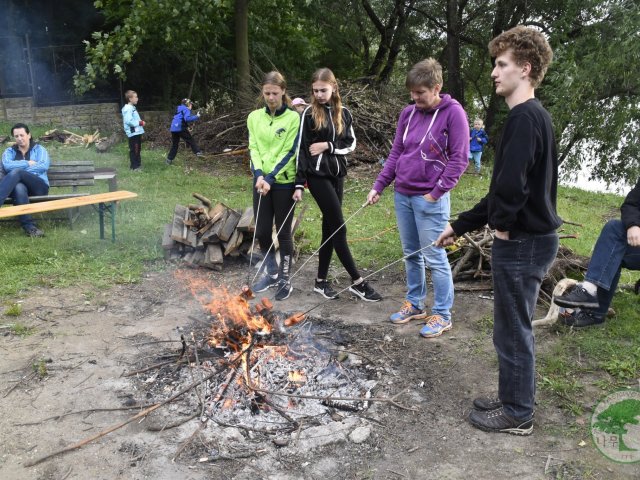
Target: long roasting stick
x=432 y=244
x=330 y=237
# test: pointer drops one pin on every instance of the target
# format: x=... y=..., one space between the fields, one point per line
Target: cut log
x=213 y=255
x=229 y=225
x=234 y=242
x=213 y=234
x=247 y=223
x=217 y=212
x=167 y=242
x=178 y=229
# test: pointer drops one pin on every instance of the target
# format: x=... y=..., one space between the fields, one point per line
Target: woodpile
x=375 y=115
x=70 y=138
x=203 y=235
x=470 y=259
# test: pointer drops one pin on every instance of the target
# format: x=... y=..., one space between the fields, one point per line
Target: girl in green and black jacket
x=273 y=137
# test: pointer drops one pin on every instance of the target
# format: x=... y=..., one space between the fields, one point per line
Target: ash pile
x=250 y=372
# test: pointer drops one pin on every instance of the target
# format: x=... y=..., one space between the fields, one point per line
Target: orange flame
x=236 y=321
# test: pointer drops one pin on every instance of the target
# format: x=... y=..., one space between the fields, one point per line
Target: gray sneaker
x=265 y=282
x=284 y=289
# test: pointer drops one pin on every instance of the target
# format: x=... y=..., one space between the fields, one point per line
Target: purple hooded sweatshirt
x=429 y=152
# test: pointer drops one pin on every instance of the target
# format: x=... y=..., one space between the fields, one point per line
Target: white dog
x=554 y=310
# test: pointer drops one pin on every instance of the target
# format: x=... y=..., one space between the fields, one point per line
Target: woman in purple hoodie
x=428 y=156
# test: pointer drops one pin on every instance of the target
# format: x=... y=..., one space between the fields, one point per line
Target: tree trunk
x=455 y=85
x=241 y=21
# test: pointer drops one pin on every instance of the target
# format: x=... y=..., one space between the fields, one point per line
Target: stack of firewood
x=203 y=234
x=70 y=138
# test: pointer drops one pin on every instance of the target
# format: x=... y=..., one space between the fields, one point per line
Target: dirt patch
x=83 y=341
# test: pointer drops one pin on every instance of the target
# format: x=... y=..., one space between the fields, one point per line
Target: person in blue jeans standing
x=617 y=246
x=428 y=157
x=477 y=140
x=521 y=207
x=133 y=128
x=23 y=173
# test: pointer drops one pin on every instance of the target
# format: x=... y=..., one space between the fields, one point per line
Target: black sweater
x=630 y=209
x=523 y=190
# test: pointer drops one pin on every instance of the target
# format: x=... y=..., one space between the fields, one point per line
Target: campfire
x=275 y=370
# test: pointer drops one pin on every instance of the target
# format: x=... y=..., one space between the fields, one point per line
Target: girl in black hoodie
x=326 y=136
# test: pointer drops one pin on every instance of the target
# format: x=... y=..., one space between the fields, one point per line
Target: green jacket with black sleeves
x=273 y=140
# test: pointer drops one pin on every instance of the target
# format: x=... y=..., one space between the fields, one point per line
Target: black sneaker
x=581 y=318
x=169 y=161
x=498 y=421
x=578 y=297
x=265 y=282
x=365 y=292
x=34 y=232
x=284 y=289
x=486 y=403
x=323 y=288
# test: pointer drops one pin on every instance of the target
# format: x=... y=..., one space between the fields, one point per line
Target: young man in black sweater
x=521 y=207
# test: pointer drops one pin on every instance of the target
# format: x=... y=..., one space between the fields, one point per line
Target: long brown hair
x=318 y=112
x=274 y=78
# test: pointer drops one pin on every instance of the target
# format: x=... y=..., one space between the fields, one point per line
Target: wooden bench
x=74 y=174
x=106 y=203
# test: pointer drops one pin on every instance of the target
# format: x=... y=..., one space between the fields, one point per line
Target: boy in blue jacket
x=478 y=139
x=133 y=128
x=179 y=129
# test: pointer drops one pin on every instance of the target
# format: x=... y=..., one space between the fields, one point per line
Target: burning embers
x=277 y=370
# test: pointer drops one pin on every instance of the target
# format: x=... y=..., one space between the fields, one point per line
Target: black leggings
x=327 y=193
x=175 y=142
x=275 y=205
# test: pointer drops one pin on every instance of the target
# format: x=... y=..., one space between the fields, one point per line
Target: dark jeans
x=135 y=145
x=610 y=254
x=275 y=205
x=518 y=266
x=175 y=141
x=19 y=184
x=328 y=192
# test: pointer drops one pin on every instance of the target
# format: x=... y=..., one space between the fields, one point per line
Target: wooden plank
x=229 y=225
x=246 y=222
x=218 y=212
x=66 y=203
x=47 y=198
x=178 y=224
x=212 y=235
x=214 y=255
x=234 y=242
x=167 y=242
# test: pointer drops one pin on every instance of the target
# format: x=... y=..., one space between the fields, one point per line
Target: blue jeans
x=518 y=266
x=610 y=254
x=420 y=222
x=20 y=184
x=476 y=159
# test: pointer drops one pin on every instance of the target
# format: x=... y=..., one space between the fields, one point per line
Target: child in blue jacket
x=478 y=139
x=179 y=129
x=133 y=128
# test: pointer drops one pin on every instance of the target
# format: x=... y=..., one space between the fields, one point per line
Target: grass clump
x=13 y=310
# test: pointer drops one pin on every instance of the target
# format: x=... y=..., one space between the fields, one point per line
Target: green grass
x=77 y=257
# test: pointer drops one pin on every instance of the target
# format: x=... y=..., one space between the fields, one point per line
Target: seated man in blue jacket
x=24 y=173
x=617 y=246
